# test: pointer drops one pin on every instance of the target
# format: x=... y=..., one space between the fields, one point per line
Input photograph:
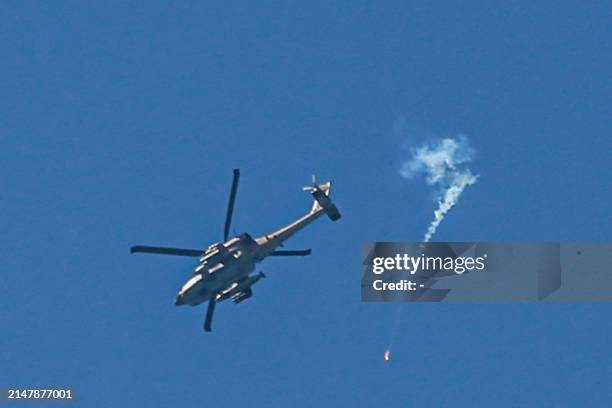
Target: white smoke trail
x=444 y=165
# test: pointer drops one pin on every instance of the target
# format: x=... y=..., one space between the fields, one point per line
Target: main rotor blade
x=209 y=315
x=230 y=205
x=300 y=252
x=166 y=250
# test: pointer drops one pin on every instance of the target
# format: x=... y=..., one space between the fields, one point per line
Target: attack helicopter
x=225 y=269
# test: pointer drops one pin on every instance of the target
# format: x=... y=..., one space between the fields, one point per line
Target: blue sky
x=121 y=124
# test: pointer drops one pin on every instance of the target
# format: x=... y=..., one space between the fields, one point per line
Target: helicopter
x=224 y=270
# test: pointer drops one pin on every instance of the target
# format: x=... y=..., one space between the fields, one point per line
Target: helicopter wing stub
x=295 y=252
x=166 y=250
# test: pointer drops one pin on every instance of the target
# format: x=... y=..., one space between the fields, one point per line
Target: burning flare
x=387 y=356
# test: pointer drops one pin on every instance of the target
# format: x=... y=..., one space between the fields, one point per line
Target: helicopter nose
x=179 y=300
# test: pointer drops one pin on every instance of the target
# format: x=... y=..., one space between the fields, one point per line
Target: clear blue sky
x=121 y=123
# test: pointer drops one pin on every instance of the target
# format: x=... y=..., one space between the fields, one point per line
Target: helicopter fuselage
x=224 y=268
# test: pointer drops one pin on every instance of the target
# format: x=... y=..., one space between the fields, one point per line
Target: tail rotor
x=313 y=187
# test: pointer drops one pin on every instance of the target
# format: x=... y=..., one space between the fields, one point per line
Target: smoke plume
x=444 y=165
